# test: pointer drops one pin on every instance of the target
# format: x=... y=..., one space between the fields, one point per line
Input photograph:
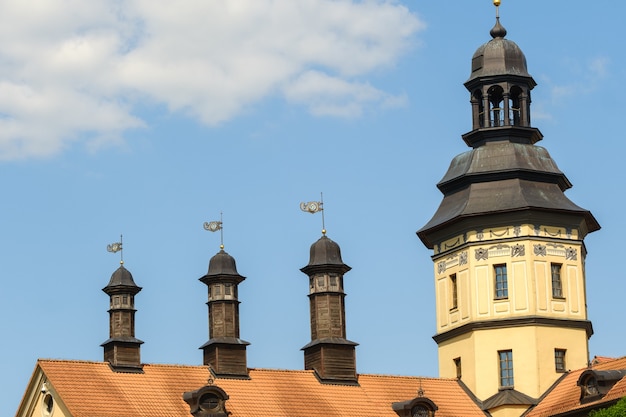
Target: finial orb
x=121 y=262
x=221 y=246
x=496 y=2
x=324 y=231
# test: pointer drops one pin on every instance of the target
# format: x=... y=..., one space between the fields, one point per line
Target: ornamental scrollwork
x=517 y=230
x=571 y=254
x=518 y=250
x=441 y=267
x=463 y=258
x=540 y=250
x=481 y=253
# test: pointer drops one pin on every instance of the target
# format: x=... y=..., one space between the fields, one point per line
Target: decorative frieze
x=571 y=254
x=540 y=250
x=518 y=250
x=463 y=257
x=481 y=254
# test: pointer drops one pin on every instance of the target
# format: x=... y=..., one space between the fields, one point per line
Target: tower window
x=454 y=291
x=502 y=285
x=506 y=368
x=559 y=360
x=457 y=365
x=557 y=283
x=334 y=283
x=227 y=289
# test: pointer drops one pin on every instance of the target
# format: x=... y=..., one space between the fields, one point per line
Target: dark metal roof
x=325 y=254
x=499 y=56
x=519 y=160
x=222 y=266
x=508 y=397
x=122 y=279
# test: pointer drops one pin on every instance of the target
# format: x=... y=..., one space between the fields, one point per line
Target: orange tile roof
x=566 y=395
x=92 y=389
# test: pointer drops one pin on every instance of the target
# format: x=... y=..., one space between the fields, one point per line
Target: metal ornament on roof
x=214 y=226
x=315 y=207
x=117 y=247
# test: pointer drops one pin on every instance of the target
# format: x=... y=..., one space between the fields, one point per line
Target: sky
x=148 y=118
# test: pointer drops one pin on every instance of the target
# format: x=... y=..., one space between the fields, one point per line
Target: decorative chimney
x=225 y=352
x=329 y=353
x=122 y=350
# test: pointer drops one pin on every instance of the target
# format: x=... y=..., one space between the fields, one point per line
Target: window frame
x=559 y=360
x=556 y=281
x=454 y=289
x=501 y=282
x=506 y=376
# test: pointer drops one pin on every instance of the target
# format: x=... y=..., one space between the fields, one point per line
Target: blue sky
x=148 y=118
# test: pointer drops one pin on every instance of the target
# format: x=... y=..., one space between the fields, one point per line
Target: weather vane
x=117 y=247
x=214 y=227
x=313 y=207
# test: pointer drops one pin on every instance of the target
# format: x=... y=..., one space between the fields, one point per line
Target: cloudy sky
x=148 y=118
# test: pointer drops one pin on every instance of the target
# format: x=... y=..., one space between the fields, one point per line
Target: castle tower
x=329 y=353
x=122 y=349
x=508 y=251
x=225 y=352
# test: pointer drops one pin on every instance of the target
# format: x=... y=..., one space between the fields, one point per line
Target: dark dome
x=499 y=56
x=122 y=279
x=222 y=264
x=325 y=253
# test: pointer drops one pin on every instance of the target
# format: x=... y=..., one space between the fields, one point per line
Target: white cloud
x=75 y=70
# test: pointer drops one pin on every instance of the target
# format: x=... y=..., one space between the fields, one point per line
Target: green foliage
x=618 y=410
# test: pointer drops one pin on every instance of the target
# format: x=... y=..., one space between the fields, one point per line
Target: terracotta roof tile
x=92 y=389
x=566 y=395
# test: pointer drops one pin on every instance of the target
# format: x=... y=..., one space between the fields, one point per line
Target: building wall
x=528 y=253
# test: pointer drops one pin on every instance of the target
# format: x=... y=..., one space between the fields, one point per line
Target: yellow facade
x=41 y=399
x=540 y=310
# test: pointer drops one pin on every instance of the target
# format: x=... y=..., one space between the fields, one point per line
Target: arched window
x=496 y=111
x=417 y=407
x=479 y=109
x=515 y=106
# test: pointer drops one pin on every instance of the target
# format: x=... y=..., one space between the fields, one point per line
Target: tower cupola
x=225 y=352
x=329 y=353
x=499 y=86
x=508 y=247
x=122 y=349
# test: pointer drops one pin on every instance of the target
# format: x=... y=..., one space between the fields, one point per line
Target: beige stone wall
x=533 y=357
x=528 y=259
x=528 y=251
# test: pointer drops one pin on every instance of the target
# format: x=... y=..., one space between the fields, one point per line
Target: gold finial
x=324 y=232
x=496 y=2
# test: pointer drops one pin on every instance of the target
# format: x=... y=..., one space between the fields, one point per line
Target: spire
x=122 y=349
x=224 y=352
x=329 y=353
x=498 y=31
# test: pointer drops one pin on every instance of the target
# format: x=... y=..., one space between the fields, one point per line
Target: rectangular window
x=227 y=288
x=454 y=291
x=502 y=285
x=559 y=360
x=506 y=368
x=557 y=284
x=457 y=365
